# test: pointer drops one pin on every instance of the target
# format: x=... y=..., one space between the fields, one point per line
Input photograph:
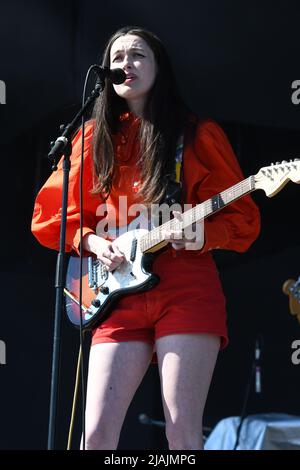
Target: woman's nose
x=126 y=63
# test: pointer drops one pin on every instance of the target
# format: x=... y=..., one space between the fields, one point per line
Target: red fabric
x=209 y=167
x=47 y=209
x=189 y=297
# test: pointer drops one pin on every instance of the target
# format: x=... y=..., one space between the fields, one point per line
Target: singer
x=133 y=147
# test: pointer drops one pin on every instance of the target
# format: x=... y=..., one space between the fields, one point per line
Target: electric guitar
x=102 y=288
x=292 y=289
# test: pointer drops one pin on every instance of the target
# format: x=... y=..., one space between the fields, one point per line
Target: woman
x=130 y=150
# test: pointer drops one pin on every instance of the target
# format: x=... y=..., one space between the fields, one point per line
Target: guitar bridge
x=295 y=289
x=97 y=273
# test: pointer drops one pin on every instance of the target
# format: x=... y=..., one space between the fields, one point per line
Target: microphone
x=257 y=367
x=144 y=419
x=116 y=76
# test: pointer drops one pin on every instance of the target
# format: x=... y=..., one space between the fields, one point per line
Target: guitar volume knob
x=96 y=303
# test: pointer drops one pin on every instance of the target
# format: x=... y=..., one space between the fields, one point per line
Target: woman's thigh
x=115 y=372
x=186 y=363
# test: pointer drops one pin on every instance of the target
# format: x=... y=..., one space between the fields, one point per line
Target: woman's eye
x=116 y=58
x=138 y=54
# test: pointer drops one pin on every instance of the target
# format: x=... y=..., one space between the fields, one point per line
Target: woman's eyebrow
x=134 y=48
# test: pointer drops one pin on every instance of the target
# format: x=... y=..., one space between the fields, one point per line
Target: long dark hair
x=163 y=120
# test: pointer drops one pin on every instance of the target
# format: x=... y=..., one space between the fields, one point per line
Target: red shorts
x=188 y=299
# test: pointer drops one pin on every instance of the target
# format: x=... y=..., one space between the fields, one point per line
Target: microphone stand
x=254 y=376
x=63 y=147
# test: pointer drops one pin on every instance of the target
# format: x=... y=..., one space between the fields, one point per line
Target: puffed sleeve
x=236 y=226
x=46 y=219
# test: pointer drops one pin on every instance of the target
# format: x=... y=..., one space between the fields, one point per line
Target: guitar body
x=100 y=288
x=292 y=289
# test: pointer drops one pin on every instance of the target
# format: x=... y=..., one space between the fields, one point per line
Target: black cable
x=244 y=407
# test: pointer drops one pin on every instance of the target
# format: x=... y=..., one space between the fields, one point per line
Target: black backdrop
x=235 y=61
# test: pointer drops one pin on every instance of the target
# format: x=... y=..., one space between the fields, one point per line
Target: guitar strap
x=179 y=160
x=174 y=186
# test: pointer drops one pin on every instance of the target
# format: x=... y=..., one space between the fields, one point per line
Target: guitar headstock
x=274 y=177
x=292 y=289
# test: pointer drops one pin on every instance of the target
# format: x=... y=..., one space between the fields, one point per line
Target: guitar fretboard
x=197 y=213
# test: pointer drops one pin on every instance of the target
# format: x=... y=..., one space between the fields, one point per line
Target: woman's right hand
x=107 y=252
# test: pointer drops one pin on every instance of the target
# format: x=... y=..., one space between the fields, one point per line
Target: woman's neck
x=137 y=106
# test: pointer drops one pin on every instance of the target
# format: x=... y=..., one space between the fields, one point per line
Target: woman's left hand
x=190 y=238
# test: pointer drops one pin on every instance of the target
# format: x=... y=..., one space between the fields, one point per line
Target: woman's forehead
x=129 y=41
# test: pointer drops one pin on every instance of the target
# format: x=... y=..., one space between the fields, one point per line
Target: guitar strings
x=198 y=212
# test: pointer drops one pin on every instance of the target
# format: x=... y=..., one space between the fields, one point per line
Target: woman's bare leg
x=186 y=364
x=115 y=372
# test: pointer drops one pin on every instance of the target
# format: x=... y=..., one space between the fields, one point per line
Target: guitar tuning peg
x=277 y=163
x=272 y=164
x=284 y=161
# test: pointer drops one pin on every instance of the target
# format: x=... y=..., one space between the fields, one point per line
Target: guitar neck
x=155 y=238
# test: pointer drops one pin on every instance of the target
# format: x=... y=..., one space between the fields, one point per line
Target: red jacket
x=209 y=168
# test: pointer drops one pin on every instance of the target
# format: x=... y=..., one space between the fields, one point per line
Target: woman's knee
x=101 y=438
x=181 y=437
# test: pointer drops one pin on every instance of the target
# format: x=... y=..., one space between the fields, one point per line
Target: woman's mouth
x=130 y=78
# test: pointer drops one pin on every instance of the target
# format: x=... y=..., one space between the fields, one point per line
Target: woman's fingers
x=178 y=245
x=183 y=238
x=111 y=257
x=116 y=251
x=175 y=237
x=177 y=215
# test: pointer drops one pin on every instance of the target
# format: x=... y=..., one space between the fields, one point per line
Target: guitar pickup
x=91 y=273
x=133 y=249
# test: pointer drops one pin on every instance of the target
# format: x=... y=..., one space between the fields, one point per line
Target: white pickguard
x=129 y=275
